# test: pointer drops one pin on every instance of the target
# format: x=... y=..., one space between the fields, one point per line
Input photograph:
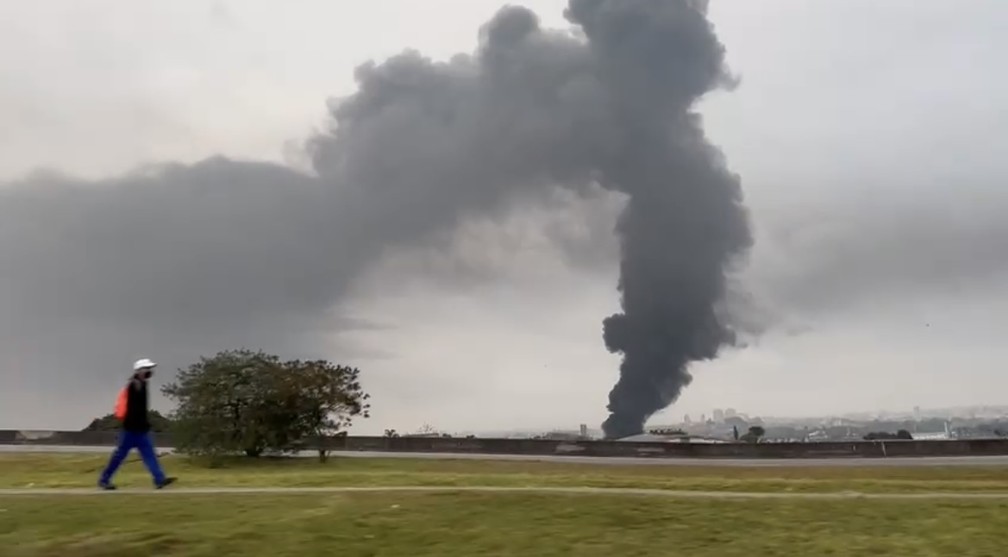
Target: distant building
x=686 y=420
x=659 y=438
x=584 y=431
x=933 y=436
x=719 y=415
x=817 y=435
x=730 y=413
x=917 y=413
x=559 y=436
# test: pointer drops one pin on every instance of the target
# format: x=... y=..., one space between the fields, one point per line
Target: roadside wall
x=857 y=449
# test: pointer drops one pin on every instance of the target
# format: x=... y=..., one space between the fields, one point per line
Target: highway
x=612 y=461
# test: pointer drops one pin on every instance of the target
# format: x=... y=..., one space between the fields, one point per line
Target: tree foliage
x=754 y=434
x=249 y=402
x=885 y=435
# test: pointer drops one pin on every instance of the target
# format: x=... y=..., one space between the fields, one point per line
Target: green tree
x=754 y=434
x=319 y=400
x=251 y=402
x=218 y=403
x=885 y=435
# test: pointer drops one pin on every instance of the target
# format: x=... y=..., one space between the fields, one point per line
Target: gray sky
x=869 y=138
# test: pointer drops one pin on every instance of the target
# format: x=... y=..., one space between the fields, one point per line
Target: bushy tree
x=885 y=435
x=754 y=434
x=251 y=402
x=320 y=400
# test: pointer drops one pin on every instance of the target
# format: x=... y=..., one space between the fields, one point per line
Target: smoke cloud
x=684 y=222
x=204 y=256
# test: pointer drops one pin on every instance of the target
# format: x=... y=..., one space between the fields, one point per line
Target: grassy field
x=67 y=470
x=399 y=524
x=493 y=524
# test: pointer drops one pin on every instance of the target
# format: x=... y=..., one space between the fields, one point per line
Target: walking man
x=131 y=409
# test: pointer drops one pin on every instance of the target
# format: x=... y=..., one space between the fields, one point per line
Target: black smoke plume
x=684 y=222
x=179 y=260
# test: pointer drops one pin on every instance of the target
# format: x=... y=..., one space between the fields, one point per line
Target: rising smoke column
x=187 y=259
x=684 y=222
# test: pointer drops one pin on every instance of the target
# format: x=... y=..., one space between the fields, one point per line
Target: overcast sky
x=870 y=138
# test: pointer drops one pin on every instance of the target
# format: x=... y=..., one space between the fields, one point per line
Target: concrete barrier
x=854 y=449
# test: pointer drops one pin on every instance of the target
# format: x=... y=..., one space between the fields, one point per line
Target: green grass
x=400 y=524
x=447 y=524
x=73 y=470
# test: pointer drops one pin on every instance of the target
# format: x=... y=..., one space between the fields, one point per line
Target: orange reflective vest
x=120 y=405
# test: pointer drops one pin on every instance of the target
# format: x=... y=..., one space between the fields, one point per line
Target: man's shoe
x=106 y=486
x=167 y=482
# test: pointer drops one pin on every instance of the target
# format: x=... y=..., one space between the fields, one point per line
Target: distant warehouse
x=674 y=438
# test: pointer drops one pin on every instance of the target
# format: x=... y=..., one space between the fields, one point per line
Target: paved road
x=733 y=462
x=496 y=489
x=623 y=461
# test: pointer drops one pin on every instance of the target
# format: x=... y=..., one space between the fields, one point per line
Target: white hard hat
x=143 y=363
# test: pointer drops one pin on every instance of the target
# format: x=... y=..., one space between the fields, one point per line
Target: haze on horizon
x=869 y=138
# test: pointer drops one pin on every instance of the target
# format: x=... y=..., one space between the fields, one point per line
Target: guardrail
x=855 y=449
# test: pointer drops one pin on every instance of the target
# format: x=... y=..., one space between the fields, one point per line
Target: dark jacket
x=136 y=420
